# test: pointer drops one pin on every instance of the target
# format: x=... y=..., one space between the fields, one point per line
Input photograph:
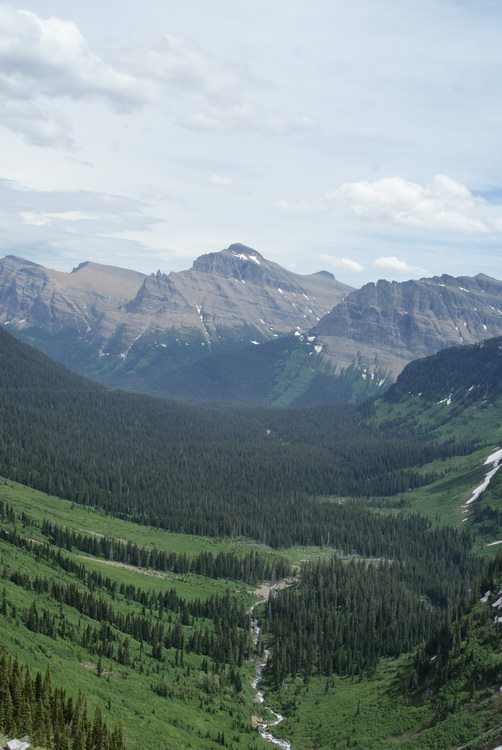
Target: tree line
x=250 y=567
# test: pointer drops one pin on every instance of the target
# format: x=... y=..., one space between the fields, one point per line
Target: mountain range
x=238 y=327
x=123 y=327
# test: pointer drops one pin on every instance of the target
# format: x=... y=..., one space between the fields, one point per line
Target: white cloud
x=51 y=57
x=220 y=180
x=46 y=59
x=179 y=62
x=43 y=59
x=348 y=264
x=391 y=263
x=226 y=91
x=35 y=123
x=69 y=211
x=443 y=204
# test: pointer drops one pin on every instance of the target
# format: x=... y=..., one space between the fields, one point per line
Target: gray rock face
x=117 y=324
x=383 y=326
x=34 y=296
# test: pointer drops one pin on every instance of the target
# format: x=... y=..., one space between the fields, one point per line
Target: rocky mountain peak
x=237 y=261
x=325 y=275
x=244 y=264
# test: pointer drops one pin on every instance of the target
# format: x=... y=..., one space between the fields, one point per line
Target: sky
x=358 y=137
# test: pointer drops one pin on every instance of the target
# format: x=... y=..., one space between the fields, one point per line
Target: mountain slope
x=385 y=325
x=287 y=371
x=128 y=329
x=456 y=392
x=163 y=652
x=471 y=373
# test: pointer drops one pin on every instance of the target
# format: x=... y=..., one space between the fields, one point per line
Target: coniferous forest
x=346 y=614
x=201 y=471
x=316 y=498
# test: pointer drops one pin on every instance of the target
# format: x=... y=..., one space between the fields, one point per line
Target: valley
x=128 y=676
x=137 y=590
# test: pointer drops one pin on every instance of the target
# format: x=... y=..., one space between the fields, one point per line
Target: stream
x=264 y=727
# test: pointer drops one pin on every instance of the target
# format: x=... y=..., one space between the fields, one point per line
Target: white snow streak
x=243 y=256
x=493 y=460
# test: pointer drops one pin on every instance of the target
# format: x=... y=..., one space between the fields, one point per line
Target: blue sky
x=358 y=137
